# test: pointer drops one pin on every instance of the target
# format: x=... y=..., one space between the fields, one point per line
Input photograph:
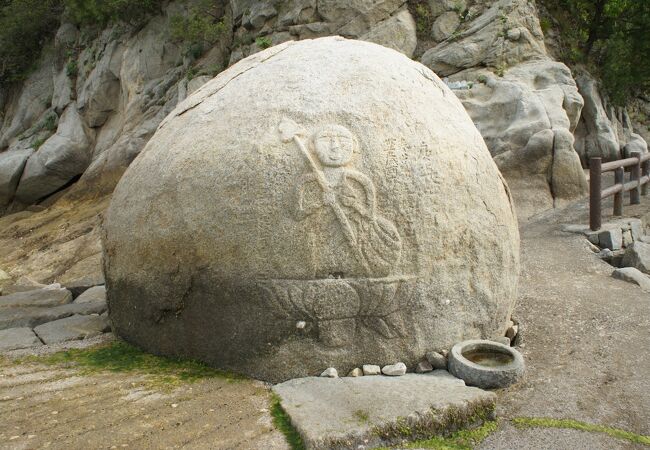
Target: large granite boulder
x=321 y=203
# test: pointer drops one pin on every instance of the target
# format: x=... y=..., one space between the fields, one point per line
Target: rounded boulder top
x=322 y=203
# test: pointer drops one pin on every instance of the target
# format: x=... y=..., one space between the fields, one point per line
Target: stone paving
x=47 y=315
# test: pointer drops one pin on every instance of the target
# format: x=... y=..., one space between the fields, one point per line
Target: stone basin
x=486 y=364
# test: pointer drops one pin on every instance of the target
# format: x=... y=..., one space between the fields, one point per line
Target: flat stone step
x=33 y=316
x=15 y=338
x=371 y=411
x=72 y=328
x=38 y=297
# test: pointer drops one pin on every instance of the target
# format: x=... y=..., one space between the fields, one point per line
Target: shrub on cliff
x=611 y=37
x=25 y=26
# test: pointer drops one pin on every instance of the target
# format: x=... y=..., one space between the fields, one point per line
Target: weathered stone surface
x=60 y=158
x=423 y=367
x=611 y=239
x=71 y=328
x=356 y=372
x=83 y=275
x=26 y=106
x=99 y=95
x=596 y=135
x=352 y=18
x=502 y=340
x=371 y=369
x=4 y=278
x=12 y=163
x=635 y=144
x=39 y=297
x=367 y=411
x=633 y=275
x=379 y=249
x=445 y=25
x=394 y=370
x=12 y=317
x=527 y=118
x=94 y=294
x=437 y=361
x=397 y=32
x=481 y=41
x=636 y=255
x=15 y=338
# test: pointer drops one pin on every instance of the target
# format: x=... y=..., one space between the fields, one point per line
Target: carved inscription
x=354 y=250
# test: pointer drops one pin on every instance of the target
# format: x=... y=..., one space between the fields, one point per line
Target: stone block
x=611 y=239
x=15 y=338
x=636 y=255
x=93 y=295
x=72 y=328
x=633 y=275
x=367 y=412
x=12 y=317
x=38 y=297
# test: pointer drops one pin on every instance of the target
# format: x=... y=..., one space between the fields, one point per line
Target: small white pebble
x=301 y=324
x=174 y=405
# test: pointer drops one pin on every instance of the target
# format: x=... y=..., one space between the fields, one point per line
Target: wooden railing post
x=619 y=178
x=595 y=187
x=645 y=171
x=635 y=175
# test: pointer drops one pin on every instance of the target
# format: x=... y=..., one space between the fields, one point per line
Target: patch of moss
x=545 y=422
x=362 y=416
x=460 y=440
x=437 y=422
x=120 y=356
x=282 y=422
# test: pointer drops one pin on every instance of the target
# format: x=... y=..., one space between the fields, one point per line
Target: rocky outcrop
x=538 y=123
x=527 y=118
x=61 y=157
x=499 y=34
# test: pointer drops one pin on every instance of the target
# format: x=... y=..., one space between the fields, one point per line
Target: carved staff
x=291 y=131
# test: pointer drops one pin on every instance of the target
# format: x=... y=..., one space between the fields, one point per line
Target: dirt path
x=586 y=342
x=48 y=407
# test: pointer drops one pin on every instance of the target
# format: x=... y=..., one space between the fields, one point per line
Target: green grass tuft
x=282 y=422
x=120 y=356
x=362 y=416
x=545 y=422
x=460 y=440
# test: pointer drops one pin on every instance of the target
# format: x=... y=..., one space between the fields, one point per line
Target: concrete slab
x=15 y=338
x=71 y=328
x=369 y=411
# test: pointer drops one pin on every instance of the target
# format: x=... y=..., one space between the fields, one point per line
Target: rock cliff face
x=69 y=132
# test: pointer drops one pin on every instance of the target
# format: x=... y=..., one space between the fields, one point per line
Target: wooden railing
x=639 y=168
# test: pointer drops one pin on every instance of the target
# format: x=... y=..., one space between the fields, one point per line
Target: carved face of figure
x=334 y=145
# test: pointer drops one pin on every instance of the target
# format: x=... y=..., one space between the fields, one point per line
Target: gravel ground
x=586 y=341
